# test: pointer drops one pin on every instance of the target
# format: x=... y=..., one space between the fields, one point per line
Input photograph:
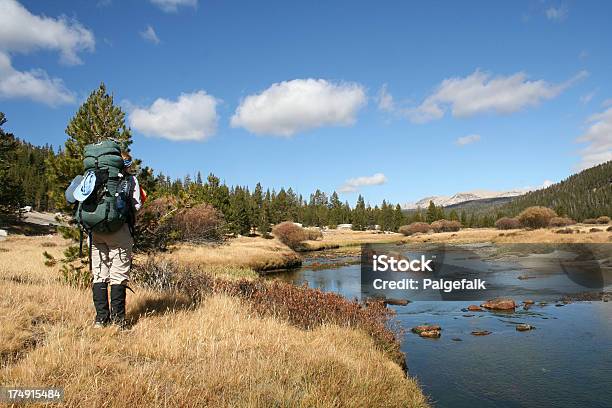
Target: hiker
x=108 y=197
x=111 y=259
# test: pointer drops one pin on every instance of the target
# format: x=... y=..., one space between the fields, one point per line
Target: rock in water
x=528 y=302
x=474 y=308
x=524 y=327
x=432 y=334
x=481 y=332
x=426 y=328
x=499 y=304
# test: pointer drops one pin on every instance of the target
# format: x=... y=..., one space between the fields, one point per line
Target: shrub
x=153 y=230
x=595 y=230
x=536 y=217
x=609 y=229
x=290 y=234
x=506 y=223
x=200 y=223
x=561 y=222
x=604 y=219
x=445 y=226
x=313 y=234
x=414 y=227
x=589 y=221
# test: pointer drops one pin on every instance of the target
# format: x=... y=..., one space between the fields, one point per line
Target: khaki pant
x=111 y=256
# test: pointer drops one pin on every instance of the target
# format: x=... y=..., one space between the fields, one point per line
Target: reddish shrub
x=536 y=217
x=560 y=222
x=414 y=227
x=198 y=224
x=445 y=226
x=290 y=234
x=604 y=219
x=506 y=223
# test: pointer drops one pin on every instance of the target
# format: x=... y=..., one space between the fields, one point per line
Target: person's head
x=127 y=160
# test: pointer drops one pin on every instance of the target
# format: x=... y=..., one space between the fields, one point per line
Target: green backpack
x=108 y=205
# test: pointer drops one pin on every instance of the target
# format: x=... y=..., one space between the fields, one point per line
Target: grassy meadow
x=218 y=352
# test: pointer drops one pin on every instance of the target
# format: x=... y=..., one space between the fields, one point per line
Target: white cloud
x=289 y=107
x=607 y=102
x=599 y=139
x=21 y=31
x=34 y=84
x=192 y=117
x=557 y=13
x=171 y=6
x=150 y=35
x=465 y=140
x=482 y=93
x=352 y=185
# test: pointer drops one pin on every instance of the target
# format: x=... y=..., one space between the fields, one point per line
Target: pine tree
x=97 y=119
x=432 y=213
x=11 y=192
x=360 y=216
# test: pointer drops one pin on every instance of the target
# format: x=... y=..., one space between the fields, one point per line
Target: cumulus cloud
x=598 y=137
x=353 y=185
x=193 y=116
x=480 y=92
x=557 y=13
x=34 y=84
x=150 y=35
x=172 y=6
x=22 y=31
x=465 y=140
x=289 y=107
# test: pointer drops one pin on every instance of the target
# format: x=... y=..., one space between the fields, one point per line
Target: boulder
x=474 y=308
x=426 y=328
x=524 y=327
x=3 y=233
x=499 y=304
x=432 y=334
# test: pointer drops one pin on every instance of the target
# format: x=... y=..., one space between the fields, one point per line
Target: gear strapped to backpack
x=105 y=194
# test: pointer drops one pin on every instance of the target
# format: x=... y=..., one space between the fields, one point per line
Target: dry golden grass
x=258 y=254
x=345 y=238
x=178 y=355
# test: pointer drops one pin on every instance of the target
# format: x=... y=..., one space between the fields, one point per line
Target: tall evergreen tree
x=97 y=119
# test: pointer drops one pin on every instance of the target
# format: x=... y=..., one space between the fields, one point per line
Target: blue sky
x=359 y=96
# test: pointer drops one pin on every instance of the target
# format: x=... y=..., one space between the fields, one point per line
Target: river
x=565 y=362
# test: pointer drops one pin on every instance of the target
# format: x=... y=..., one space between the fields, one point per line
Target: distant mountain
x=459 y=198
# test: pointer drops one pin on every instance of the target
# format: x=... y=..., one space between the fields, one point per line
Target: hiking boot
x=117 y=303
x=100 y=300
x=99 y=325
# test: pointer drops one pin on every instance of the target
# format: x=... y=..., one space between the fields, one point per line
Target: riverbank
x=217 y=353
